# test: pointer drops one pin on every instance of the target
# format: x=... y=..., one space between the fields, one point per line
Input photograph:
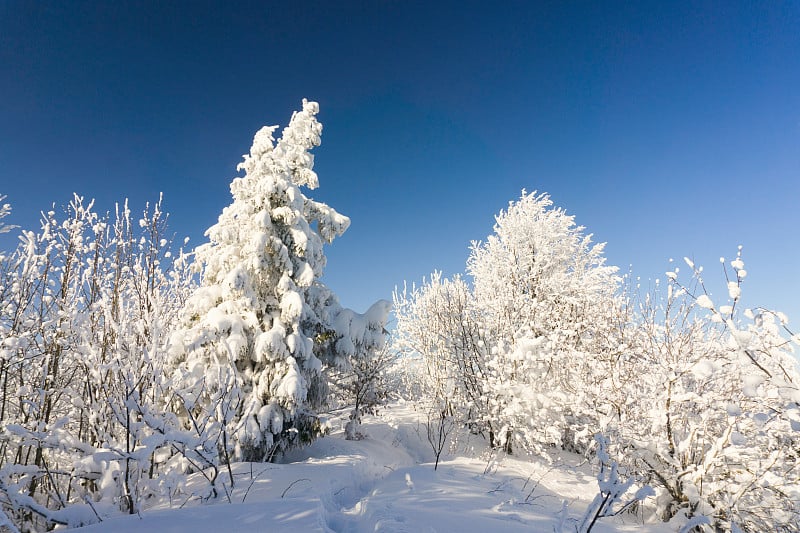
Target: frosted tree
x=437 y=320
x=545 y=295
x=257 y=332
x=523 y=353
x=539 y=273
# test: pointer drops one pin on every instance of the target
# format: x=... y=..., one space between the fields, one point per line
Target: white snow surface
x=386 y=482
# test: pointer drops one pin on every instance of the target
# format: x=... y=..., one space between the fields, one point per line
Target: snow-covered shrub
x=439 y=425
x=257 y=333
x=713 y=419
x=361 y=381
x=443 y=356
x=85 y=309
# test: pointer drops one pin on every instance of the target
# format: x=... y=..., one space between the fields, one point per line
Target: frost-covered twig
x=563 y=516
x=88 y=501
x=5 y=210
x=612 y=488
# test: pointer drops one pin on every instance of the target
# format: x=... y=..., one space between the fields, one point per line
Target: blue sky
x=668 y=130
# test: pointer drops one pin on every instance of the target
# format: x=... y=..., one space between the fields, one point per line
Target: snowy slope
x=386 y=482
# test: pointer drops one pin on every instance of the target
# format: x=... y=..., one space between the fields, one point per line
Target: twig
x=89 y=503
x=252 y=481
x=292 y=484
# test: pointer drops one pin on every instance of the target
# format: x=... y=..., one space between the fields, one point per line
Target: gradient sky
x=668 y=130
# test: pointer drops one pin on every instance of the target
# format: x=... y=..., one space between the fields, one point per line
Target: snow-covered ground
x=386 y=482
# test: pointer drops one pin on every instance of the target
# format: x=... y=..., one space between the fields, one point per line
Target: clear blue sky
x=668 y=130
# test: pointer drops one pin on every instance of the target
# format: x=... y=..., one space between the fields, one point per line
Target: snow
x=292 y=385
x=733 y=290
x=386 y=482
x=291 y=307
x=705 y=302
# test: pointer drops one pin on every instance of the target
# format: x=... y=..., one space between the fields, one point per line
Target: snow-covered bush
x=361 y=381
x=713 y=420
x=435 y=321
x=257 y=333
x=85 y=309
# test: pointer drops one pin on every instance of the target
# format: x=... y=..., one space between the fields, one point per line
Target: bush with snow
x=85 y=307
x=362 y=381
x=712 y=419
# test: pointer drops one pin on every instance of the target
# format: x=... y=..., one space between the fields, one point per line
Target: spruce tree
x=257 y=331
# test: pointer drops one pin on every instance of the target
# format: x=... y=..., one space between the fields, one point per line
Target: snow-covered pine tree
x=256 y=333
